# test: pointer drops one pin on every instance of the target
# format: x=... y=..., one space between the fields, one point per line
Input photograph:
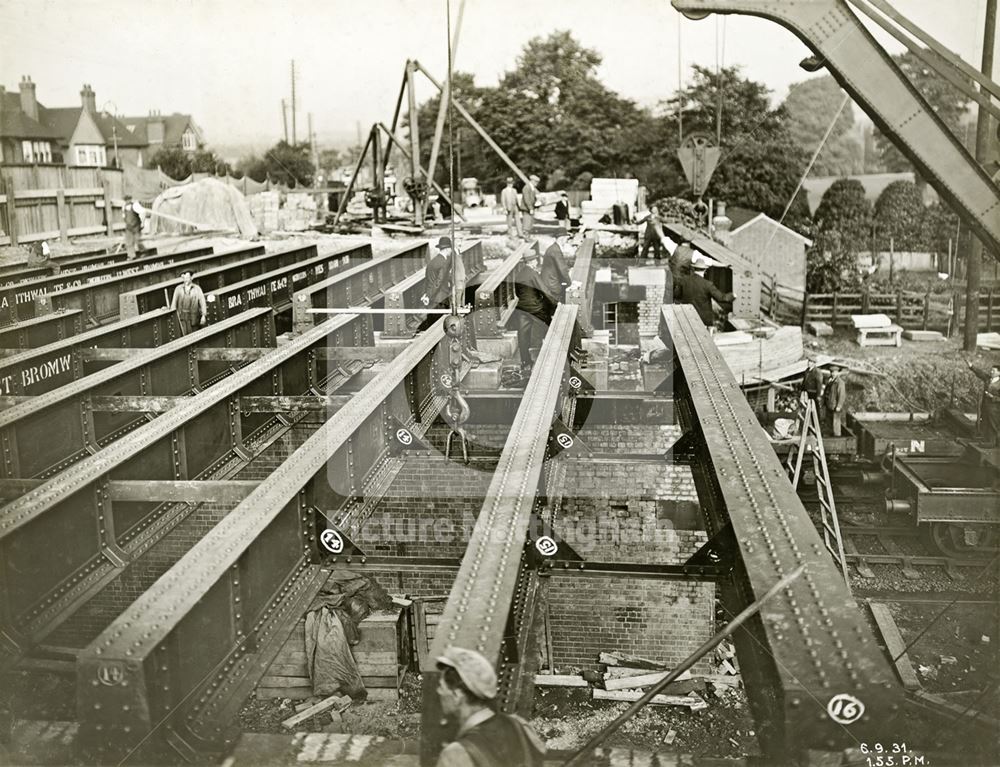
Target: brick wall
x=779 y=253
x=629 y=438
x=98 y=612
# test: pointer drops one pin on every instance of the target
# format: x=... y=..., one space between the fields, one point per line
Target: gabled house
x=166 y=131
x=777 y=251
x=24 y=138
x=92 y=138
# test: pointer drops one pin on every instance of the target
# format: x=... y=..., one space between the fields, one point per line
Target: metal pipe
x=687 y=663
x=898 y=506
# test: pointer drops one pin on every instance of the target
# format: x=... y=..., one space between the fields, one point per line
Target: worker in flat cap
x=437 y=280
x=510 y=204
x=467 y=689
x=529 y=201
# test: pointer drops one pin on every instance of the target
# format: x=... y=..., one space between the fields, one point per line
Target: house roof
x=114 y=129
x=761 y=217
x=739 y=216
x=16 y=124
x=174 y=126
x=62 y=120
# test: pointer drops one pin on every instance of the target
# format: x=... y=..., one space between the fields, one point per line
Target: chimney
x=88 y=99
x=721 y=224
x=28 y=104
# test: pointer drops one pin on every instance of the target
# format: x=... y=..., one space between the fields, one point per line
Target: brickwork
x=629 y=438
x=649 y=310
x=95 y=615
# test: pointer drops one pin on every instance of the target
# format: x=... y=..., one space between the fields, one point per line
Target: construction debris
x=340 y=701
x=693 y=701
x=207 y=203
x=559 y=680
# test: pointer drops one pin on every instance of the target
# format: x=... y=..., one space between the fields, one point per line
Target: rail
x=98 y=299
x=222 y=582
x=17 y=300
x=809 y=655
x=581 y=289
x=493 y=588
x=94 y=410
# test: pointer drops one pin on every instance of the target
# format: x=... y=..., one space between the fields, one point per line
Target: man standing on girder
x=467 y=689
x=989 y=403
x=133 y=213
x=691 y=287
x=529 y=202
x=508 y=199
x=437 y=281
x=189 y=303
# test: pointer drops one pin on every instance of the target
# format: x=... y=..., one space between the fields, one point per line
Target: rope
x=455 y=255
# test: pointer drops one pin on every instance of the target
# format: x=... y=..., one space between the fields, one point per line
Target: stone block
x=483 y=377
x=922 y=335
x=819 y=328
x=505 y=348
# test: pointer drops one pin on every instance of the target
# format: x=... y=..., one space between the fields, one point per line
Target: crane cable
x=455 y=255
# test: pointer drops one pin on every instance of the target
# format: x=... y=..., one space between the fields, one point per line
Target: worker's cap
x=444 y=243
x=699 y=263
x=476 y=673
x=533 y=177
x=510 y=179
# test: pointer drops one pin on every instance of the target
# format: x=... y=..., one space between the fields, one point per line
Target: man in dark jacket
x=467 y=688
x=835 y=400
x=437 y=282
x=989 y=404
x=691 y=287
x=534 y=309
x=555 y=273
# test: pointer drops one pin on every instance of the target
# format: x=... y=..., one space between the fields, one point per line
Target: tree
x=761 y=164
x=841 y=227
x=283 y=163
x=945 y=99
x=898 y=218
x=173 y=161
x=939 y=228
x=811 y=106
x=206 y=161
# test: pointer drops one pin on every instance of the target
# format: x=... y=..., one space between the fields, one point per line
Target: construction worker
x=467 y=688
x=189 y=303
x=654 y=237
x=812 y=383
x=529 y=202
x=835 y=400
x=437 y=280
x=989 y=403
x=508 y=199
x=562 y=211
x=691 y=287
x=534 y=310
x=133 y=213
x=41 y=255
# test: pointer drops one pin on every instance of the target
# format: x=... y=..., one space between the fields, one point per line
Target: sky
x=227 y=62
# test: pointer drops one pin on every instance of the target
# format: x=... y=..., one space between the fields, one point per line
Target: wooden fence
x=46 y=202
x=909 y=309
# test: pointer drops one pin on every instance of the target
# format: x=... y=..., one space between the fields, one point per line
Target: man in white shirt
x=134 y=214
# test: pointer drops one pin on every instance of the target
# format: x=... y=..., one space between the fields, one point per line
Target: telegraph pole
x=294 y=136
x=974 y=265
x=284 y=119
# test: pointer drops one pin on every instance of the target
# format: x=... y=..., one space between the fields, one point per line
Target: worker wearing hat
x=529 y=202
x=133 y=213
x=835 y=399
x=691 y=287
x=437 y=281
x=467 y=689
x=509 y=202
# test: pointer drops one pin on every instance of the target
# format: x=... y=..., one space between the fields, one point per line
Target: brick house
x=24 y=138
x=777 y=251
x=158 y=131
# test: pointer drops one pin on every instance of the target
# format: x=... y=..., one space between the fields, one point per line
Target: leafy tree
x=841 y=227
x=761 y=164
x=283 y=163
x=207 y=161
x=898 y=218
x=811 y=106
x=946 y=100
x=173 y=161
x=939 y=227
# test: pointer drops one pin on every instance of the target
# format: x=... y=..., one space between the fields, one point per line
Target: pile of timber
x=754 y=353
x=628 y=677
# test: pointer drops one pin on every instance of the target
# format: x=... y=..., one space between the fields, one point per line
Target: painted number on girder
x=546 y=546
x=332 y=541
x=845 y=709
x=575 y=382
x=565 y=440
x=917 y=445
x=110 y=674
x=404 y=437
x=447 y=381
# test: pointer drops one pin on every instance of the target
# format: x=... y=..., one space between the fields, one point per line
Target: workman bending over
x=189 y=303
x=691 y=287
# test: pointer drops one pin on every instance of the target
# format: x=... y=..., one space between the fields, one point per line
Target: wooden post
x=899 y=307
x=865 y=300
x=774 y=297
x=989 y=310
x=833 y=310
x=411 y=98
x=109 y=212
x=927 y=309
x=62 y=215
x=805 y=309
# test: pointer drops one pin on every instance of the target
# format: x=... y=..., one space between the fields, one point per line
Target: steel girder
x=229 y=604
x=17 y=298
x=495 y=297
x=98 y=299
x=581 y=289
x=26 y=429
x=201 y=438
x=70 y=263
x=36 y=371
x=491 y=605
x=864 y=69
x=809 y=649
x=41 y=331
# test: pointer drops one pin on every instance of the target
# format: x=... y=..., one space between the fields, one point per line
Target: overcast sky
x=227 y=61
